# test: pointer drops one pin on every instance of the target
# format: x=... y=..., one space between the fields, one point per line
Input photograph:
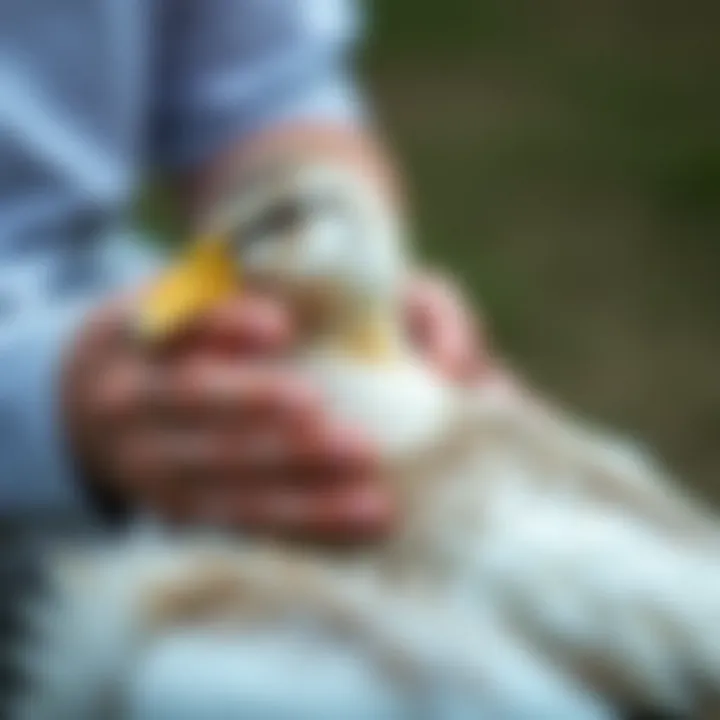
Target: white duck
x=539 y=564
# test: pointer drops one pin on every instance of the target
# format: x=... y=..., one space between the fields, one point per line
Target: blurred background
x=565 y=162
x=564 y=159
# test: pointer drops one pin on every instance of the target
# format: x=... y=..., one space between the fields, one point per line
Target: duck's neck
x=369 y=333
x=372 y=379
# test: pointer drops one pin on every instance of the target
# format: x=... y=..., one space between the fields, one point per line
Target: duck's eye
x=283 y=218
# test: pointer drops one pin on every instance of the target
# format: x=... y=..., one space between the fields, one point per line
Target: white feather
x=536 y=553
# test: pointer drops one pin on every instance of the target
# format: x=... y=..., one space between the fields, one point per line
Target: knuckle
x=114 y=395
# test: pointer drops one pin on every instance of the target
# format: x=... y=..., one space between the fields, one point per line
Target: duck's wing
x=637 y=613
x=588 y=460
x=594 y=553
x=101 y=645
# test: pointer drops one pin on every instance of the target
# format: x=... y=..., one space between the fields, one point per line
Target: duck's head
x=322 y=236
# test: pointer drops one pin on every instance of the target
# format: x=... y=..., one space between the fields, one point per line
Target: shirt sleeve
x=230 y=67
x=42 y=305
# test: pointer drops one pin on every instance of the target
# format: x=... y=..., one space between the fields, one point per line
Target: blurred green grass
x=564 y=162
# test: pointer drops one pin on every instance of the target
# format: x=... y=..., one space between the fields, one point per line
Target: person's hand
x=210 y=432
x=446 y=331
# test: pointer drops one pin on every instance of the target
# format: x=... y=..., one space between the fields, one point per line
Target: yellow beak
x=204 y=277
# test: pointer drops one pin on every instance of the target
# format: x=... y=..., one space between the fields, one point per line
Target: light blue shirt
x=93 y=93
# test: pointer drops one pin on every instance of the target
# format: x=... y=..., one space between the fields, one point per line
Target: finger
x=205 y=390
x=248 y=324
x=437 y=317
x=164 y=472
x=328 y=453
x=350 y=513
x=141 y=462
x=190 y=460
x=319 y=492
x=324 y=454
x=118 y=394
x=325 y=457
x=444 y=329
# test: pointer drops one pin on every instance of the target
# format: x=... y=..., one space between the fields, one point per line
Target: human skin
x=209 y=431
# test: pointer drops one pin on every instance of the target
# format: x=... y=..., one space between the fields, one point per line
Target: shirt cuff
x=37 y=476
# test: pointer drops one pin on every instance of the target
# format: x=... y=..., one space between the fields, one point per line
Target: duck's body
x=537 y=564
x=531 y=559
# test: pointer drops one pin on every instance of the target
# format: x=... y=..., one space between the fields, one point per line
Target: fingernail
x=350 y=443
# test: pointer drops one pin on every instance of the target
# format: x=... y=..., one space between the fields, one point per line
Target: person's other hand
x=210 y=432
x=446 y=330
